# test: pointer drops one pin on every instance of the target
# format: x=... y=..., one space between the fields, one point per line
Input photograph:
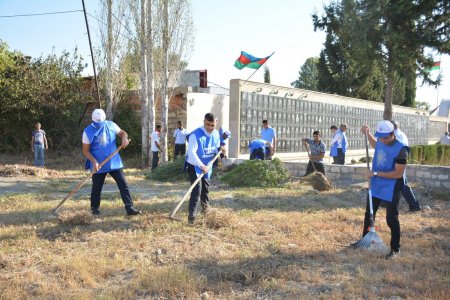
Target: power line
x=118 y=32
x=118 y=20
x=43 y=14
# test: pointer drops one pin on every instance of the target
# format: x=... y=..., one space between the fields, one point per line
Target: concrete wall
x=437 y=128
x=198 y=104
x=427 y=176
x=295 y=113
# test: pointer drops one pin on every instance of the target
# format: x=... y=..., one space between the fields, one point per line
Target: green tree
x=423 y=105
x=266 y=75
x=346 y=67
x=46 y=89
x=308 y=76
x=394 y=35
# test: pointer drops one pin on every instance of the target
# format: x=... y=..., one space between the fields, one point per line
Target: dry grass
x=18 y=170
x=277 y=243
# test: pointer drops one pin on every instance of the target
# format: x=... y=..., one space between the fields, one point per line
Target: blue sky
x=223 y=29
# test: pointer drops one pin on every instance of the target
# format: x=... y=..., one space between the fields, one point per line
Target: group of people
x=387 y=176
x=99 y=141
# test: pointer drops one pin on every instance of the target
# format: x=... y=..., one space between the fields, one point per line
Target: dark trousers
x=409 y=197
x=98 y=179
x=340 y=158
x=257 y=154
x=335 y=160
x=268 y=156
x=319 y=167
x=180 y=149
x=391 y=215
x=155 y=159
x=200 y=191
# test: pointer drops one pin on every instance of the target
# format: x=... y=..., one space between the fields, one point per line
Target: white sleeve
x=193 y=158
x=85 y=139
x=116 y=128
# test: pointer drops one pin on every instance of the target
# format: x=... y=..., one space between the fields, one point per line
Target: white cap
x=227 y=133
x=384 y=128
x=98 y=115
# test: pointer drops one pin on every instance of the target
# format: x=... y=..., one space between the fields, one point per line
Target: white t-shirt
x=86 y=140
x=180 y=136
x=154 y=138
x=401 y=137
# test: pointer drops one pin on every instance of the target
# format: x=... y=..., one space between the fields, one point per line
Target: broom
x=371 y=240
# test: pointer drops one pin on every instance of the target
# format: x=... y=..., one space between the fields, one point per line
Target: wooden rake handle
x=307 y=150
x=82 y=182
x=172 y=215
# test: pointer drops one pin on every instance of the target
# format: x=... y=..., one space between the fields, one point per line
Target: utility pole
x=92 y=55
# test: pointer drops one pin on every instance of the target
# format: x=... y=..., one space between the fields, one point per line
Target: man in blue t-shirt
x=269 y=134
x=38 y=144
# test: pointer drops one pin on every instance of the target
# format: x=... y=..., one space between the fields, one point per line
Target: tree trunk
x=143 y=92
x=109 y=65
x=165 y=90
x=388 y=93
x=151 y=99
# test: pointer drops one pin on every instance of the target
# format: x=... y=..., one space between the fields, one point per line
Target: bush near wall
x=430 y=155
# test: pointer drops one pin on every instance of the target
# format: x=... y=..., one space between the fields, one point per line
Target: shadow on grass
x=268 y=276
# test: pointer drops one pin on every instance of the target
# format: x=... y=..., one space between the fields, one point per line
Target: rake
x=371 y=240
x=82 y=182
x=172 y=215
x=320 y=181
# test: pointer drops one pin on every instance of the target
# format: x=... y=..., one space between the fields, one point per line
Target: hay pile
x=257 y=173
x=75 y=218
x=24 y=170
x=215 y=218
x=171 y=171
x=319 y=181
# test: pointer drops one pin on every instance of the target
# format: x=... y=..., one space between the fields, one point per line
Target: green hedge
x=430 y=155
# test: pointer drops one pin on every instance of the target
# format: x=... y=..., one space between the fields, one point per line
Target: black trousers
x=340 y=159
x=98 y=179
x=180 y=149
x=409 y=197
x=200 y=191
x=391 y=215
x=155 y=159
x=257 y=154
x=335 y=160
x=319 y=166
x=268 y=157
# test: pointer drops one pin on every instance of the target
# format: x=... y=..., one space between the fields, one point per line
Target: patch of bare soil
x=19 y=170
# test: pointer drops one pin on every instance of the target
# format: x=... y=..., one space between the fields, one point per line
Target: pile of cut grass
x=257 y=173
x=171 y=171
x=19 y=170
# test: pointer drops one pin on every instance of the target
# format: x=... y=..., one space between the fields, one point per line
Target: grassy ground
x=279 y=243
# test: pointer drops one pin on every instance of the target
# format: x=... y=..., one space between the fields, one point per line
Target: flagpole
x=256 y=70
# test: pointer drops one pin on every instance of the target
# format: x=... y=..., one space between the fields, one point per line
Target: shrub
x=430 y=155
x=257 y=173
x=364 y=159
x=169 y=171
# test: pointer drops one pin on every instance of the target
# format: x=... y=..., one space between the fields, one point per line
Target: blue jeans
x=39 y=155
x=98 y=179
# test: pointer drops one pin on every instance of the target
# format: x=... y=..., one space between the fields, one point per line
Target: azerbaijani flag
x=249 y=61
x=436 y=66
